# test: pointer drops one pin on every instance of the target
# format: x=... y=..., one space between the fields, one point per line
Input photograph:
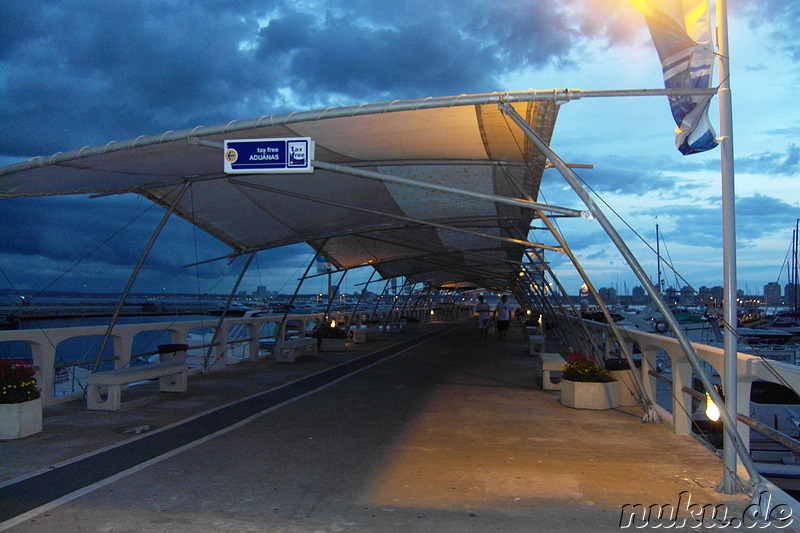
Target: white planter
x=589 y=395
x=18 y=420
x=332 y=345
x=626 y=386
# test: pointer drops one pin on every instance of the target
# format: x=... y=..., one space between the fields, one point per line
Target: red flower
x=17 y=381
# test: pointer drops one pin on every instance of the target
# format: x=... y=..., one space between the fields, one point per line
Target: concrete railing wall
x=749 y=369
x=44 y=343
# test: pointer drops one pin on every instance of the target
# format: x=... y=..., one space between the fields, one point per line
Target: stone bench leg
x=285 y=355
x=173 y=383
x=547 y=384
x=535 y=345
x=95 y=401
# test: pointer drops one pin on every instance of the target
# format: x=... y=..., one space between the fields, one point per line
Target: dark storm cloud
x=88 y=72
x=772 y=163
x=615 y=175
x=760 y=215
x=377 y=50
x=415 y=60
x=82 y=73
x=101 y=250
x=780 y=15
x=79 y=72
x=756 y=217
x=97 y=239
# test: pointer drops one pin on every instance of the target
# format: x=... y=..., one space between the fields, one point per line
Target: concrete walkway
x=448 y=435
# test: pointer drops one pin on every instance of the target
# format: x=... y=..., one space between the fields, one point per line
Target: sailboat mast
x=794 y=263
x=658 y=262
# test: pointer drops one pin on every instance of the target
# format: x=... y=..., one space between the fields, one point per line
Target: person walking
x=502 y=313
x=484 y=318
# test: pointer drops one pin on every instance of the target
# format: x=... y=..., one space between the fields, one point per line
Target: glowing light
x=333 y=323
x=712 y=411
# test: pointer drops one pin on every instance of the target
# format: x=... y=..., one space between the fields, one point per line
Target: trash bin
x=172 y=353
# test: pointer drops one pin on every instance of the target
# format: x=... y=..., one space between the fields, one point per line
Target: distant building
x=791 y=295
x=261 y=293
x=772 y=293
x=672 y=294
x=717 y=293
x=711 y=295
x=638 y=295
x=608 y=294
x=687 y=292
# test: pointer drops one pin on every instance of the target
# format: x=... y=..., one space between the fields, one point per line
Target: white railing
x=62 y=379
x=655 y=347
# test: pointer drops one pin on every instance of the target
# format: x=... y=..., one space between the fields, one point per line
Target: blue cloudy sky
x=82 y=72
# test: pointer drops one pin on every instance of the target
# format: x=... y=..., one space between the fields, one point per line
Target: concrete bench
x=397 y=327
x=171 y=378
x=363 y=335
x=288 y=350
x=547 y=364
x=535 y=344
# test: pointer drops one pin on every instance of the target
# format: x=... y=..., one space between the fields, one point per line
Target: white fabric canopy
x=424 y=235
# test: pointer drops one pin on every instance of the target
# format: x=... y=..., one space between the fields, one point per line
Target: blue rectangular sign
x=256 y=156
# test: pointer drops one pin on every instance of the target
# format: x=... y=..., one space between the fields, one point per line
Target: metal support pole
x=135 y=273
x=282 y=325
x=582 y=273
x=378 y=303
x=539 y=301
x=644 y=400
x=221 y=320
x=729 y=423
x=391 y=215
x=361 y=296
x=405 y=302
x=380 y=176
x=588 y=343
x=565 y=328
x=394 y=300
x=730 y=344
x=330 y=296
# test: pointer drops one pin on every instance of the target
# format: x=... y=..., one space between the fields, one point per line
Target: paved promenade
x=440 y=433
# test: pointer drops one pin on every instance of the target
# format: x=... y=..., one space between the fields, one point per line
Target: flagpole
x=728 y=483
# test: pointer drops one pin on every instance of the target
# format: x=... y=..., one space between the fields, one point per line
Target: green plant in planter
x=17 y=382
x=580 y=368
x=328 y=330
x=620 y=363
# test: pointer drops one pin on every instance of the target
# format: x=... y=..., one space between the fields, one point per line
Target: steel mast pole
x=730 y=345
x=729 y=424
x=122 y=297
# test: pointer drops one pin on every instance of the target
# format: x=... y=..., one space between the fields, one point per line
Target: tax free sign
x=261 y=156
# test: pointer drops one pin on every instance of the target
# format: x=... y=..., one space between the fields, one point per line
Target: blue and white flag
x=682 y=35
x=323 y=265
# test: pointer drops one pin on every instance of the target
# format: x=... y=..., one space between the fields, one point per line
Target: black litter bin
x=172 y=353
